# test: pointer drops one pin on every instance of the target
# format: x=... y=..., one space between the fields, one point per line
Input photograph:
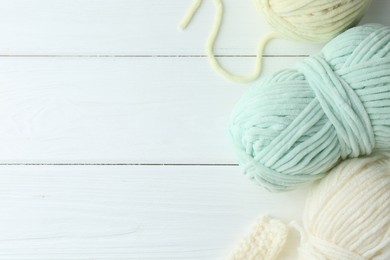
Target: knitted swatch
x=293 y=127
x=265 y=241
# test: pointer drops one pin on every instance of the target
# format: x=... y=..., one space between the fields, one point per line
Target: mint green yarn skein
x=293 y=127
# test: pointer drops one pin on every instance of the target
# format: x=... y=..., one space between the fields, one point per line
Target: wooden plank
x=139 y=27
x=118 y=110
x=131 y=212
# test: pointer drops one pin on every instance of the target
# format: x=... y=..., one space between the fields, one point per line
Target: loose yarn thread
x=302 y=20
x=213 y=38
x=346 y=216
x=296 y=125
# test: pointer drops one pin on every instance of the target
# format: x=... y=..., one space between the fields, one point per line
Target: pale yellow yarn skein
x=302 y=20
x=312 y=20
x=347 y=217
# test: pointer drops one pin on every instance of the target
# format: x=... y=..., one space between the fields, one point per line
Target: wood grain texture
x=113 y=81
x=131 y=212
x=139 y=27
x=118 y=110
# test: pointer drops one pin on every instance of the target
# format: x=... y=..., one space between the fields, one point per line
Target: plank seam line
x=146 y=56
x=118 y=164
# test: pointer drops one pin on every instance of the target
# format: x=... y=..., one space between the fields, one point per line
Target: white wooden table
x=113 y=137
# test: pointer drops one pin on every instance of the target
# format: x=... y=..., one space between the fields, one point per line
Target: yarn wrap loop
x=341 y=105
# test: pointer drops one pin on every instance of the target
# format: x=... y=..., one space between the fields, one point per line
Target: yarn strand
x=214 y=36
x=301 y=20
x=190 y=14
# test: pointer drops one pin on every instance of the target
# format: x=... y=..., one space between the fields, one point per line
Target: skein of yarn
x=312 y=20
x=347 y=216
x=296 y=125
x=302 y=20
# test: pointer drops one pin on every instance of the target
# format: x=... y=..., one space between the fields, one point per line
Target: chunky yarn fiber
x=293 y=127
x=312 y=20
x=347 y=217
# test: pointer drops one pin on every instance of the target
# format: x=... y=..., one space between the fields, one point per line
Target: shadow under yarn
x=293 y=127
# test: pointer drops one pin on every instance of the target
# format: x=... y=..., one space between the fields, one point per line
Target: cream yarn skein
x=302 y=20
x=347 y=216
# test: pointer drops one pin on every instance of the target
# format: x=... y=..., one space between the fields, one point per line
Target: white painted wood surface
x=113 y=130
x=136 y=212
x=138 y=27
x=117 y=110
